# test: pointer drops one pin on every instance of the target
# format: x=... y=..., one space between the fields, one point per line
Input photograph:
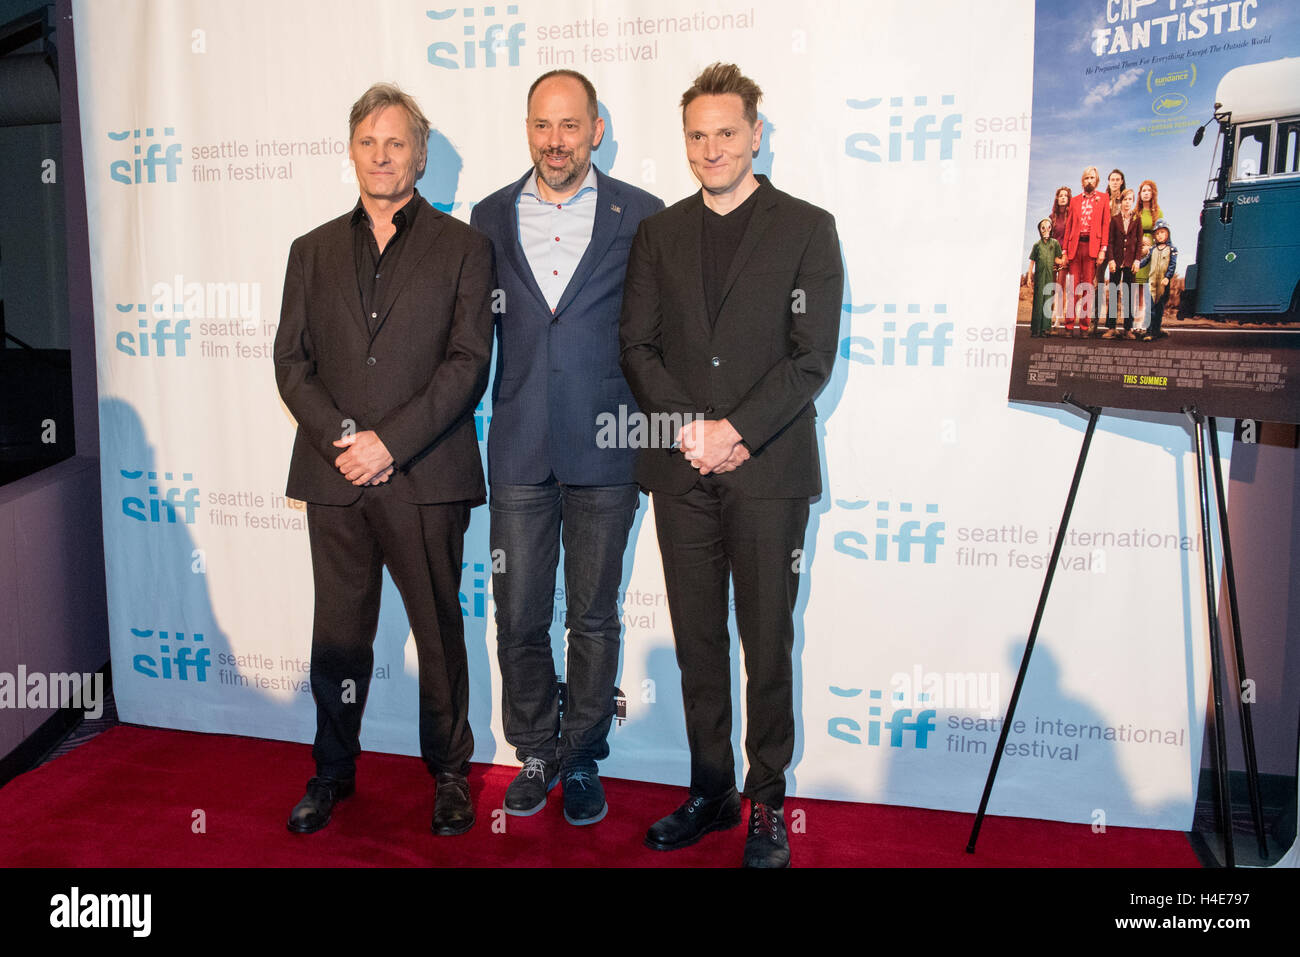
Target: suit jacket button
x=708 y=409
x=370 y=361
x=716 y=362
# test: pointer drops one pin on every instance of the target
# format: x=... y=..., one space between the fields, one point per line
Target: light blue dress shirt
x=555 y=235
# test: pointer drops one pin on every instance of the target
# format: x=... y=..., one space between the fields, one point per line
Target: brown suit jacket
x=1125 y=246
x=415 y=380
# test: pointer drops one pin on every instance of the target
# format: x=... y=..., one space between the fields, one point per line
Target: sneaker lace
x=535 y=768
x=580 y=778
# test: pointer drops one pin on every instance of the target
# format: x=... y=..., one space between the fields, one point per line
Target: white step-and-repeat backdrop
x=216 y=132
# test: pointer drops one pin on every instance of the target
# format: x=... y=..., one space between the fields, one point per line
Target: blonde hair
x=383 y=95
x=719 y=79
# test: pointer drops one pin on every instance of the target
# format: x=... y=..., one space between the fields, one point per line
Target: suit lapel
x=759 y=221
x=342 y=271
x=690 y=260
x=425 y=230
x=609 y=213
x=514 y=250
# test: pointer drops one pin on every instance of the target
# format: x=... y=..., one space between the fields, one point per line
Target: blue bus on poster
x=1248 y=249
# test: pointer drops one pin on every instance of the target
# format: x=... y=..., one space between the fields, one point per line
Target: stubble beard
x=561 y=179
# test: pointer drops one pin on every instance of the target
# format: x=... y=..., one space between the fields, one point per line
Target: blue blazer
x=558 y=374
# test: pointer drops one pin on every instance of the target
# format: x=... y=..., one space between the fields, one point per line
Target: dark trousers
x=706 y=536
x=422 y=546
x=1121 y=300
x=528 y=524
x=1106 y=294
x=1156 y=315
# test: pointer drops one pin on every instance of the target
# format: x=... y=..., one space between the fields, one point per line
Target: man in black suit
x=730 y=313
x=381 y=355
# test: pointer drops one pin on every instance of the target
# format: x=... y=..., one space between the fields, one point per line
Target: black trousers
x=422 y=545
x=1124 y=301
x=707 y=536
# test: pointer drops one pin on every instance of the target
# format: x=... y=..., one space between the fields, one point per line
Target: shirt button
x=555 y=272
x=716 y=362
x=370 y=361
x=374 y=315
x=557 y=239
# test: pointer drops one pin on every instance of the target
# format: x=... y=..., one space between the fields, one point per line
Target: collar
x=762 y=193
x=588 y=184
x=402 y=219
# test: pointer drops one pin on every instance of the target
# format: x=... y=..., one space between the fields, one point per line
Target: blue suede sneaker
x=584 y=796
x=527 y=792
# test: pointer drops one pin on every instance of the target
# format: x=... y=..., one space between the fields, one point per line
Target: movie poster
x=1161 y=260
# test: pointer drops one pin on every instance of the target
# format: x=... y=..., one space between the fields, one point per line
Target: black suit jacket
x=760 y=364
x=415 y=380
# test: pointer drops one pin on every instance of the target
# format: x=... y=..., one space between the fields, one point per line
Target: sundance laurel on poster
x=1162 y=254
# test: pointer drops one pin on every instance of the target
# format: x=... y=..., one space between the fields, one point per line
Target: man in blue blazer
x=561 y=236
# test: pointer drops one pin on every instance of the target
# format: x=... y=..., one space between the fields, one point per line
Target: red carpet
x=131 y=797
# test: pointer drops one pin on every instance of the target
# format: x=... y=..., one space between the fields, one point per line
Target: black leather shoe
x=690 y=822
x=527 y=792
x=584 y=795
x=766 y=844
x=453 y=811
x=313 y=812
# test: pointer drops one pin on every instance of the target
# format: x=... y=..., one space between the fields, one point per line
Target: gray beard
x=569 y=179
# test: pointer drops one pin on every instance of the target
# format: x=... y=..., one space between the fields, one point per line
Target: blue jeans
x=528 y=522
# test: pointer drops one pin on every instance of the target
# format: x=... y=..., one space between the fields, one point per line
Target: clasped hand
x=366 y=461
x=712 y=446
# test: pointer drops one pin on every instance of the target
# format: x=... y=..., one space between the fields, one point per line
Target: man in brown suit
x=381 y=355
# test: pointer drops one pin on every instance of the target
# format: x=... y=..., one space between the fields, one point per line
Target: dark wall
x=1264 y=524
x=51 y=582
x=53 y=615
x=34 y=266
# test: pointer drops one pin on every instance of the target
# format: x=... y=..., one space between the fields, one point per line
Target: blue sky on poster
x=1107 y=118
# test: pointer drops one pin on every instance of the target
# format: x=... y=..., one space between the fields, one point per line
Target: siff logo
x=172 y=664
x=900 y=721
x=166 y=318
x=926 y=128
x=909 y=533
x=918 y=341
x=495 y=36
x=159 y=333
x=161 y=503
x=144 y=168
x=473 y=603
